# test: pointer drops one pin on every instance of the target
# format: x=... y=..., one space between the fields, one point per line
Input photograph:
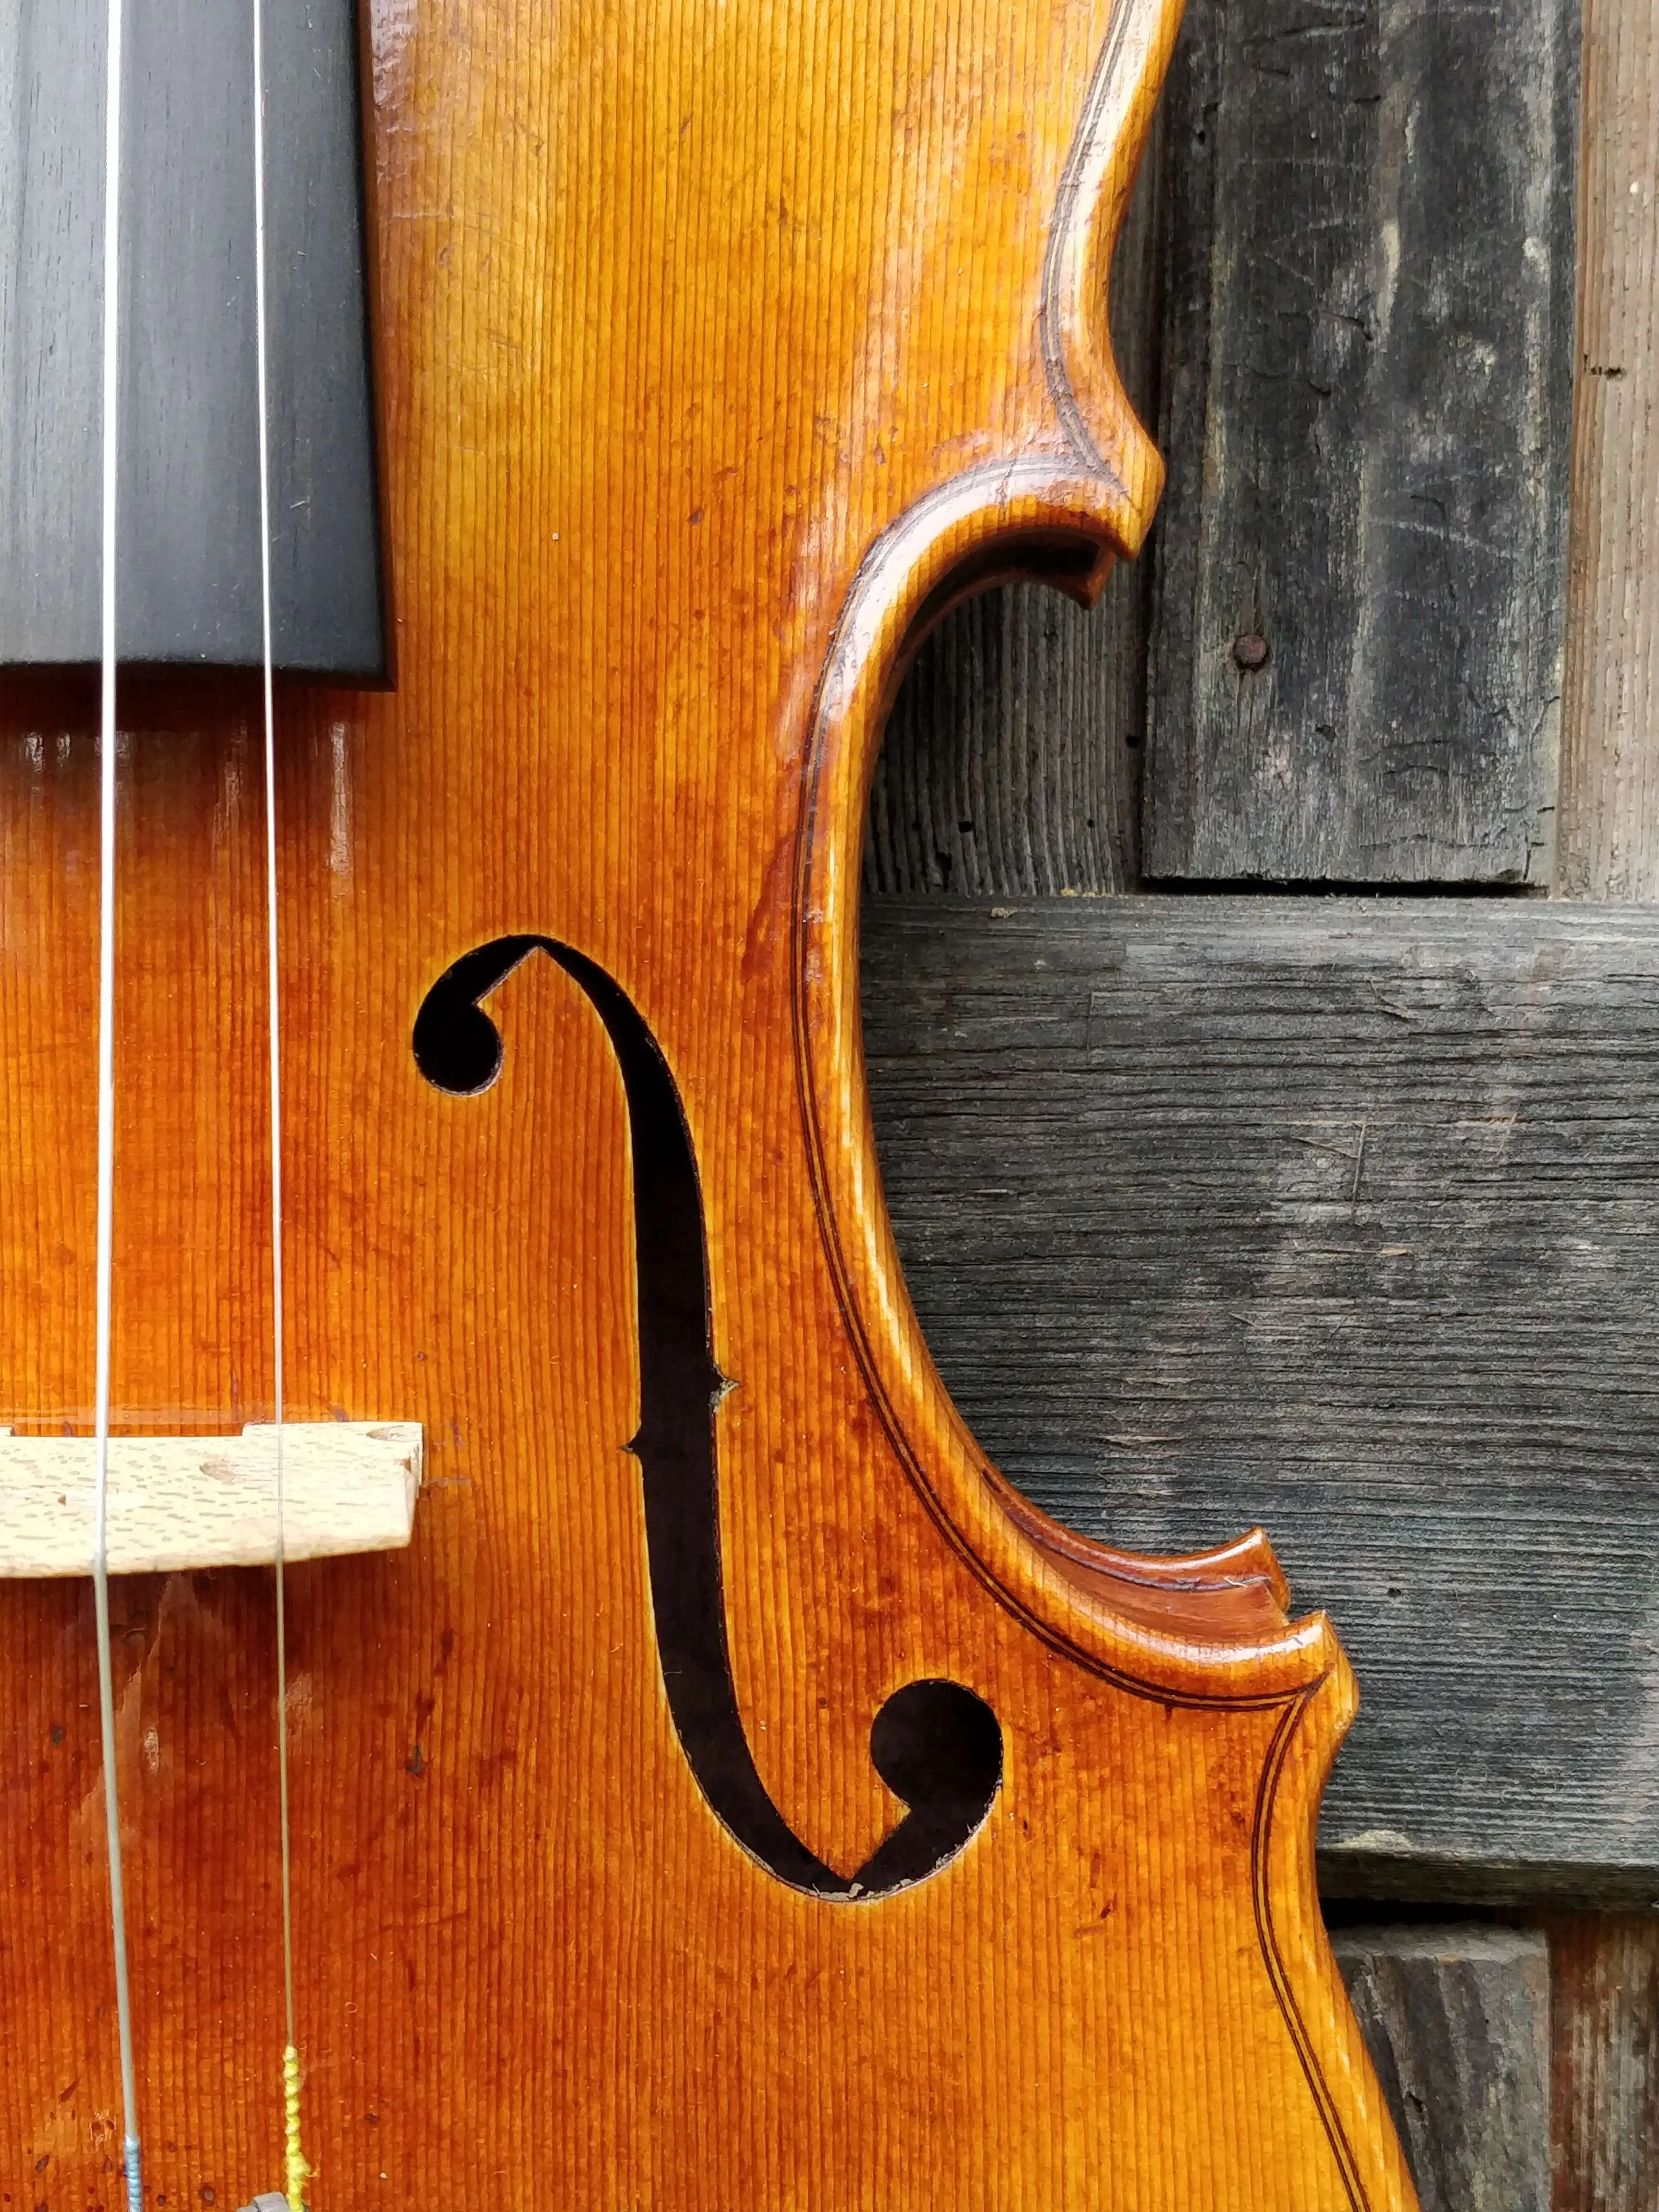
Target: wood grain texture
x=1604 y=1968
x=1336 y=1217
x=1606 y=1965
x=1610 y=781
x=723 y=346
x=178 y=1505
x=1367 y=391
x=1457 y=2020
x=1012 y=758
x=188 y=437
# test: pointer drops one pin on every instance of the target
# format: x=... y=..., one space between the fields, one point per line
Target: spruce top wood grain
x=846 y=1835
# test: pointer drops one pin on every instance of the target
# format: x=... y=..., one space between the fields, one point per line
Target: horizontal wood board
x=188 y=578
x=1342 y=1215
x=1357 y=645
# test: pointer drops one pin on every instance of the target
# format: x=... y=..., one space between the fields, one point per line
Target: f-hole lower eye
x=938 y=1748
x=933 y=1741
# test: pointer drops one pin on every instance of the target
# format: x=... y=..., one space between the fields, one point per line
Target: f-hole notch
x=935 y=1744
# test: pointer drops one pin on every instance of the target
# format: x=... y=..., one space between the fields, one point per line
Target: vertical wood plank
x=1011 y=763
x=1606 y=2063
x=1605 y=1965
x=1355 y=656
x=1610 y=763
x=1457 y=2020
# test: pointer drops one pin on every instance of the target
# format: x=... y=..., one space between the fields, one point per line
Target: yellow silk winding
x=297 y=2166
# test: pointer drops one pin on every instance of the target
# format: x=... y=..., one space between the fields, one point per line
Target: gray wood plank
x=1013 y=756
x=1356 y=649
x=1457 y=2022
x=1342 y=1215
x=188 y=500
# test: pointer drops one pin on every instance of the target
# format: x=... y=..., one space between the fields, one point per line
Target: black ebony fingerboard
x=189 y=546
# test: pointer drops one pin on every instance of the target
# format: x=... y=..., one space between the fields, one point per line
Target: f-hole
x=935 y=1744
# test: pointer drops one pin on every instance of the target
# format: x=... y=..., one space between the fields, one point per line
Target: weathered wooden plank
x=1355 y=661
x=1013 y=756
x=1008 y=758
x=1457 y=2020
x=1604 y=1968
x=1606 y=1965
x=1342 y=1215
x=189 y=548
x=1610 y=767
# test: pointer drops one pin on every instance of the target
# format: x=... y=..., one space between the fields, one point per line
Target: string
x=106 y=1263
x=297 y=2169
x=296 y=2166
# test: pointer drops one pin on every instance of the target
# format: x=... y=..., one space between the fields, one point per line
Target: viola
x=719 y=1788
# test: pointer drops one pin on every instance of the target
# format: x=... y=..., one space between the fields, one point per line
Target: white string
x=275 y=1032
x=106 y=1266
